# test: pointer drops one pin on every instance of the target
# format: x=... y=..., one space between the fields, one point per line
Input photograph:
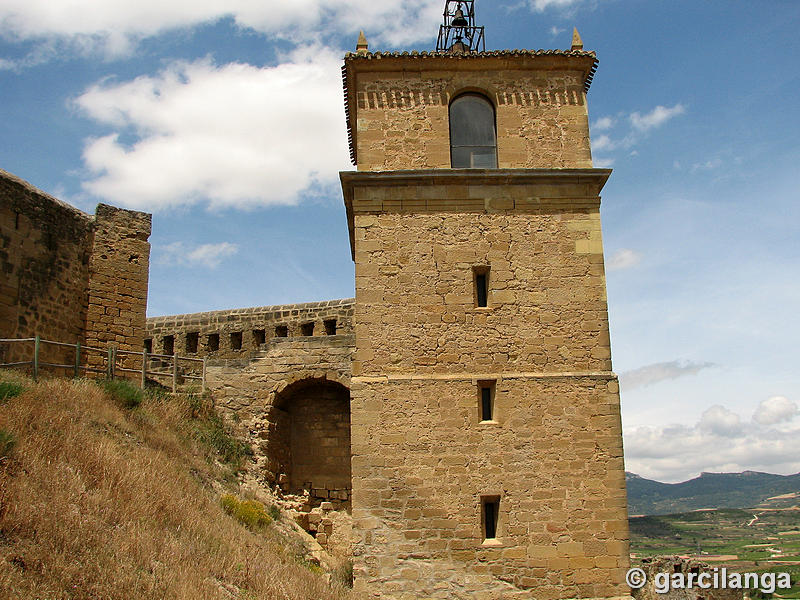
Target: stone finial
x=577 y=42
x=361 y=46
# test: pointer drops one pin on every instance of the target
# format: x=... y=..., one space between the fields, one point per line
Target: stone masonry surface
x=448 y=503
x=290 y=401
x=68 y=276
x=401 y=109
x=552 y=453
x=236 y=334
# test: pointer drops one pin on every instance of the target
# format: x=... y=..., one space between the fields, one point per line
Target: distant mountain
x=710 y=490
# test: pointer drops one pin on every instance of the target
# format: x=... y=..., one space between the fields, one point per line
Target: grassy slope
x=99 y=501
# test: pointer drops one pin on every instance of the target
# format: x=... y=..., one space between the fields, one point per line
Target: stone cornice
x=469 y=190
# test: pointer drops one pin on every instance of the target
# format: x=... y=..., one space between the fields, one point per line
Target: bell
x=458 y=19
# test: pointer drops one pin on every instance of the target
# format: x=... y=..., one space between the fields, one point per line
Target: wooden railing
x=112 y=362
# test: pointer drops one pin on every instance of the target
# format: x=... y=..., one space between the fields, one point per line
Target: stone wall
x=425 y=462
x=68 y=276
x=118 y=274
x=237 y=334
x=290 y=401
x=400 y=108
x=671 y=565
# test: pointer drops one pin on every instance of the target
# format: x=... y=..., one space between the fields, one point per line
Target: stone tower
x=486 y=438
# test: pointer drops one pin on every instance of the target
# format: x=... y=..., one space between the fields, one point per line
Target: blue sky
x=225 y=120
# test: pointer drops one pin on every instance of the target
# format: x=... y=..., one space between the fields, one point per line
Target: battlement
x=236 y=334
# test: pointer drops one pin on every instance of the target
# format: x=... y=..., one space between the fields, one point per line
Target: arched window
x=473 y=140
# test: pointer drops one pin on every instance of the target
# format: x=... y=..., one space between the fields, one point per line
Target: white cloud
x=663 y=371
x=720 y=441
x=774 y=410
x=229 y=135
x=603 y=163
x=709 y=165
x=656 y=117
x=624 y=258
x=208 y=255
x=542 y=5
x=720 y=421
x=603 y=142
x=603 y=123
x=555 y=31
x=639 y=125
x=116 y=26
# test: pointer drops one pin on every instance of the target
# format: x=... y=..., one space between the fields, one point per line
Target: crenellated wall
x=237 y=334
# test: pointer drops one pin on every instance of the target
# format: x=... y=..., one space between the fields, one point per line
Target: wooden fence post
x=36 y=358
x=174 y=372
x=203 y=383
x=77 y=360
x=144 y=368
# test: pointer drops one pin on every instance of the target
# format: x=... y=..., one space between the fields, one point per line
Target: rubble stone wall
x=669 y=566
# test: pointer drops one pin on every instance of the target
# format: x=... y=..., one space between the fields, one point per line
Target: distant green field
x=761 y=538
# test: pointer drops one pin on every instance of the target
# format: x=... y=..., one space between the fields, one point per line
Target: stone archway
x=309 y=439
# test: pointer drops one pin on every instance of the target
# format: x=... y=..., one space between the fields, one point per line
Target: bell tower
x=486 y=438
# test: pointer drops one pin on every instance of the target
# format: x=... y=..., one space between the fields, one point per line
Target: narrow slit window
x=330 y=326
x=307 y=329
x=236 y=340
x=168 y=343
x=481 y=275
x=490 y=507
x=148 y=345
x=213 y=342
x=282 y=331
x=259 y=337
x=486 y=390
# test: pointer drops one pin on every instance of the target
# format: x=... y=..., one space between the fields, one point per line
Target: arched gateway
x=309 y=438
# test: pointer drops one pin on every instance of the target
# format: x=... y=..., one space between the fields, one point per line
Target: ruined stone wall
x=403 y=116
x=44 y=254
x=118 y=274
x=68 y=276
x=671 y=565
x=290 y=402
x=236 y=334
x=424 y=462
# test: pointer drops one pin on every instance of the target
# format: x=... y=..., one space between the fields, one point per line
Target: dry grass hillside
x=108 y=495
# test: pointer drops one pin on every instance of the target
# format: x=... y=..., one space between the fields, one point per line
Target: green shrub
x=210 y=430
x=123 y=392
x=250 y=513
x=9 y=389
x=274 y=512
x=7 y=443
